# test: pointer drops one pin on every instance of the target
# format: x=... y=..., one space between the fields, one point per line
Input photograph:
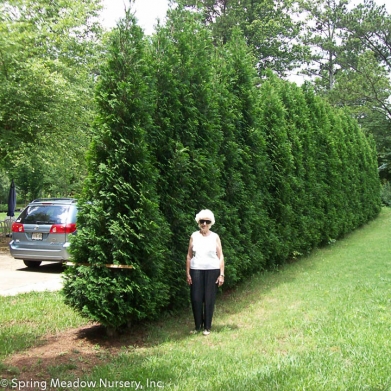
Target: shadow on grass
x=177 y=326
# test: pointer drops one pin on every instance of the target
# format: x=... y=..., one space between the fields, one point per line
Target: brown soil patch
x=73 y=352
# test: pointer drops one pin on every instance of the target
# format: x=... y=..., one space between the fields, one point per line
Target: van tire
x=32 y=263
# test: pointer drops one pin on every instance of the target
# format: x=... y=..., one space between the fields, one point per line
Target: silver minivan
x=42 y=231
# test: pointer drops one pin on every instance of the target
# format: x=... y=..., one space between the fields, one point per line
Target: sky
x=147 y=12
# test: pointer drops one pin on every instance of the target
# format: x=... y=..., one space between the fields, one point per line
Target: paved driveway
x=16 y=278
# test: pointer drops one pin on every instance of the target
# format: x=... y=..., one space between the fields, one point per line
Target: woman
x=205 y=270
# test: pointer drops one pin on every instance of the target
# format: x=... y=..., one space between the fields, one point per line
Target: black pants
x=203 y=296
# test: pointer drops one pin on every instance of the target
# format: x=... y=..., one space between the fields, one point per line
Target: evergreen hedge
x=185 y=124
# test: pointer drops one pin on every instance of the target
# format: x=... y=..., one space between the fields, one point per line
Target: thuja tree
x=347 y=190
x=186 y=136
x=303 y=178
x=120 y=221
x=322 y=186
x=360 y=172
x=281 y=169
x=321 y=192
x=244 y=222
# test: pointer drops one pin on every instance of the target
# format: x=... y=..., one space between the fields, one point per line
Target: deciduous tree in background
x=352 y=62
x=268 y=26
x=48 y=55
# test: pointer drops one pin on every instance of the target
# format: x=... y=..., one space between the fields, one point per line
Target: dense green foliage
x=48 y=54
x=123 y=224
x=184 y=125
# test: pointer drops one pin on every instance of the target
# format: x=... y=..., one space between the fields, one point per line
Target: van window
x=45 y=214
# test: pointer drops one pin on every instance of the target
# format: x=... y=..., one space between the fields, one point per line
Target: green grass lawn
x=321 y=323
x=26 y=318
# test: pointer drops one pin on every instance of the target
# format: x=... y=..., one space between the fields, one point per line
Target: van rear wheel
x=32 y=263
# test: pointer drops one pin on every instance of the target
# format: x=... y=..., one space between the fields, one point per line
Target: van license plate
x=36 y=236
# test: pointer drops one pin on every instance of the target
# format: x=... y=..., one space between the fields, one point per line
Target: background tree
x=351 y=63
x=364 y=84
x=48 y=52
x=322 y=34
x=269 y=27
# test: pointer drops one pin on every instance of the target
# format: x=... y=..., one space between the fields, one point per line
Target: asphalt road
x=16 y=278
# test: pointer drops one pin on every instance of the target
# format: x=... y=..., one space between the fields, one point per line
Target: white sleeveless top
x=204 y=251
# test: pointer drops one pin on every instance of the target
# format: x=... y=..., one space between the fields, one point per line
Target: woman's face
x=204 y=224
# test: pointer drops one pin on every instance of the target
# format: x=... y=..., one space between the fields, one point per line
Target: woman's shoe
x=206 y=332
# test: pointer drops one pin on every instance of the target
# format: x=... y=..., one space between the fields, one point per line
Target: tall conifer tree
x=186 y=135
x=119 y=220
x=243 y=152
